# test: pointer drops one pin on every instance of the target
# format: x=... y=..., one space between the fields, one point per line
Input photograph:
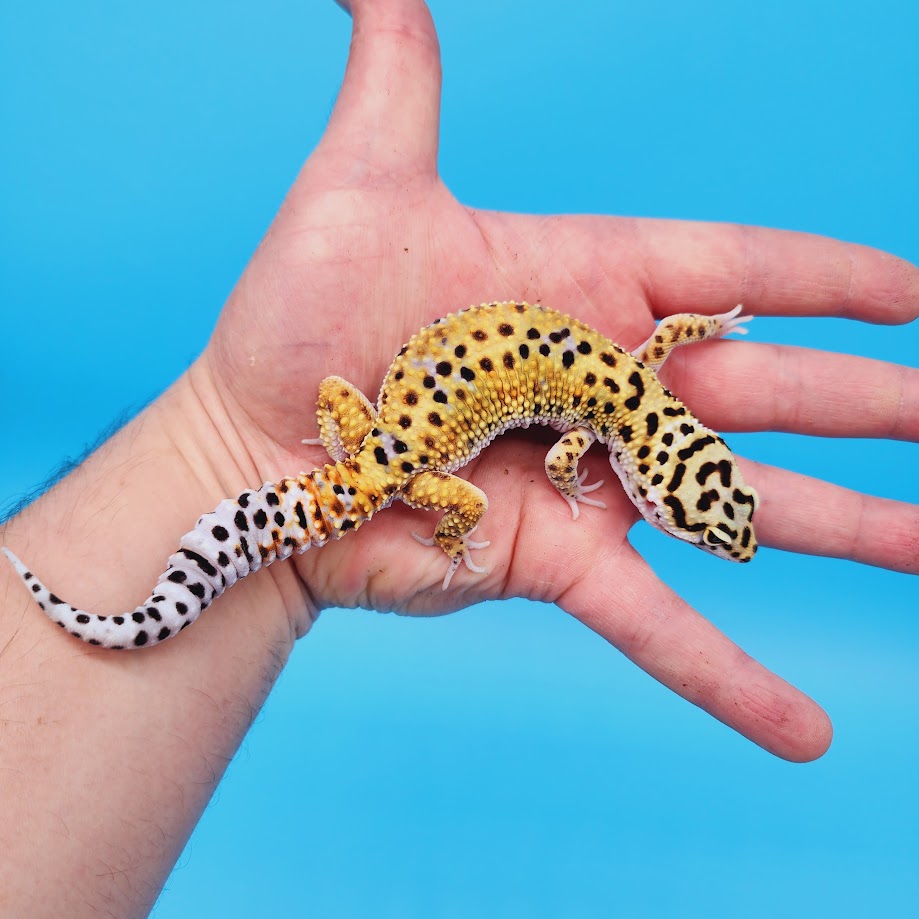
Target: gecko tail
x=238 y=538
x=207 y=562
x=241 y=536
x=173 y=605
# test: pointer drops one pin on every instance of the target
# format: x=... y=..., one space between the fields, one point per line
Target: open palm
x=370 y=246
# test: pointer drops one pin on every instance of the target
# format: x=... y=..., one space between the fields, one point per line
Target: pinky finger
x=669 y=640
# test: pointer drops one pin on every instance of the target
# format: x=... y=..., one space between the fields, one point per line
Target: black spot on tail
x=201 y=561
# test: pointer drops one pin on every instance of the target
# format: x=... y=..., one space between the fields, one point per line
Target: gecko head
x=692 y=490
x=710 y=507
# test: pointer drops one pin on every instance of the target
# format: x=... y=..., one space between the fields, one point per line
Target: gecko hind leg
x=346 y=416
x=562 y=469
x=687 y=329
x=464 y=505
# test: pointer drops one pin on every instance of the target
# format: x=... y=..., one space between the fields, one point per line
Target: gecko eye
x=713 y=537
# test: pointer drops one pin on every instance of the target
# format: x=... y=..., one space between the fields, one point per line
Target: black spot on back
x=699 y=444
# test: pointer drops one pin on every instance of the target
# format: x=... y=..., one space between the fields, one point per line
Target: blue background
x=503 y=761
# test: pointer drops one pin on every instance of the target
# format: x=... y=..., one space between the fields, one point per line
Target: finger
x=669 y=640
x=387 y=115
x=747 y=386
x=708 y=268
x=801 y=514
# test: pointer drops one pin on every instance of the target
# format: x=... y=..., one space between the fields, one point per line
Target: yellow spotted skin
x=450 y=391
x=466 y=378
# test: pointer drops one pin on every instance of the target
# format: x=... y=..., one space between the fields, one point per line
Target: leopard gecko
x=450 y=391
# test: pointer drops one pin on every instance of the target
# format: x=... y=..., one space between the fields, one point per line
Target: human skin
x=108 y=759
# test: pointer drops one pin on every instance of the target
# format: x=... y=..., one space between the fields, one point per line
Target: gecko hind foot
x=458 y=551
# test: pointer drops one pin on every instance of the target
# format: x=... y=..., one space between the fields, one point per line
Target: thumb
x=387 y=115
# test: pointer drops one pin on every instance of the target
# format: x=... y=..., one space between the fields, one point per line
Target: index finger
x=710 y=267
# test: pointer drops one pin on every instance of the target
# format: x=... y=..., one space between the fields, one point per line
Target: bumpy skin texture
x=449 y=392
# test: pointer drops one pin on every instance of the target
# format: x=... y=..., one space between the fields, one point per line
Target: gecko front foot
x=732 y=322
x=457 y=549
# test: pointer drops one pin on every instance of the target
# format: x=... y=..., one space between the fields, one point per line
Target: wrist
x=101 y=537
x=166 y=720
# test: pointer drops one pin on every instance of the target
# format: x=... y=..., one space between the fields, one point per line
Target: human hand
x=370 y=246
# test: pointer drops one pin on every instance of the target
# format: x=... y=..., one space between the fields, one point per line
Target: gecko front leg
x=687 y=329
x=562 y=469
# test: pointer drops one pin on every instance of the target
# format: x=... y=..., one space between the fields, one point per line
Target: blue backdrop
x=503 y=761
